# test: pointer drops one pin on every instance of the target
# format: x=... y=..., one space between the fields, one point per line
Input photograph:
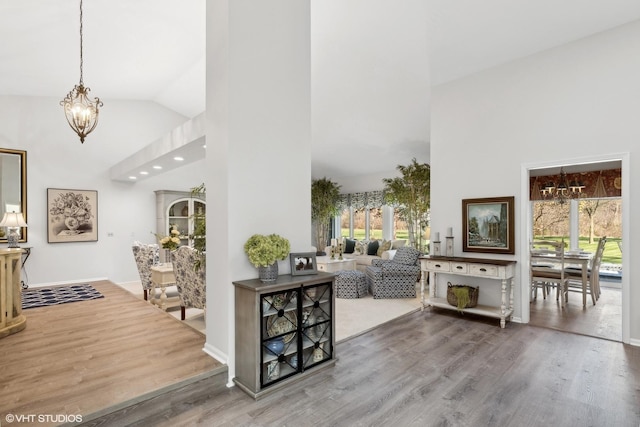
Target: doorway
x=609 y=317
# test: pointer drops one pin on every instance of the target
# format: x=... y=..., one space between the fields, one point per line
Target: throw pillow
x=349 y=246
x=372 y=249
x=395 y=244
x=361 y=246
x=385 y=246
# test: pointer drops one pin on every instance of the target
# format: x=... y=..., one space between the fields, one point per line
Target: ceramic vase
x=276 y=346
x=72 y=223
x=269 y=273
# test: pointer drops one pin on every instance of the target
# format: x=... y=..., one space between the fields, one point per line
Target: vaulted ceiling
x=155 y=50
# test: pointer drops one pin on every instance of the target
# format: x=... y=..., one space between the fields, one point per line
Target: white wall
x=370 y=86
x=57 y=159
x=359 y=184
x=580 y=100
x=259 y=142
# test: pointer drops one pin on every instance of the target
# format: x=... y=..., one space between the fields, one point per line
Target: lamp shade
x=13 y=219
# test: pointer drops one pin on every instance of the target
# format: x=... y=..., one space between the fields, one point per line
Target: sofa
x=364 y=251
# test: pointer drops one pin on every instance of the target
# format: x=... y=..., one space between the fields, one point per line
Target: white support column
x=351 y=221
x=258 y=134
x=387 y=222
x=574 y=226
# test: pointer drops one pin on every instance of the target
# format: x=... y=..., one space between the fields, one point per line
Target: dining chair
x=547 y=268
x=574 y=274
x=146 y=256
x=190 y=278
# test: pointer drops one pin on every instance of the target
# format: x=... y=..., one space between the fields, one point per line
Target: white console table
x=329 y=265
x=502 y=270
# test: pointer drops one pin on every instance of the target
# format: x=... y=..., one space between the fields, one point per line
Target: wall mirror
x=13 y=187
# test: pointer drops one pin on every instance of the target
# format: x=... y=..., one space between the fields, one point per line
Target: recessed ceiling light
x=179 y=159
x=204 y=146
x=144 y=173
x=157 y=167
x=133 y=177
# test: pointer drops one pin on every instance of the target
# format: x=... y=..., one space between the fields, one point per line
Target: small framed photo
x=72 y=215
x=488 y=225
x=303 y=263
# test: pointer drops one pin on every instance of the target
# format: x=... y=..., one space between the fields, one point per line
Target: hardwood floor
x=603 y=320
x=91 y=357
x=431 y=368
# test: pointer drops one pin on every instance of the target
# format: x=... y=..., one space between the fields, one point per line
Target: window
x=375 y=223
x=550 y=219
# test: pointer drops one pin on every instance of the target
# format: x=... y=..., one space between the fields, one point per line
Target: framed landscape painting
x=488 y=225
x=72 y=215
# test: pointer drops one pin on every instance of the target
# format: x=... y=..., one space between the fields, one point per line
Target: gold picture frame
x=488 y=225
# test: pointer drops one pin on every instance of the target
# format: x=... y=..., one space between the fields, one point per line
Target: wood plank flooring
x=431 y=368
x=603 y=320
x=92 y=357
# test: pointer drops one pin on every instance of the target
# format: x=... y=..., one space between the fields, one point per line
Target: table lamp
x=13 y=221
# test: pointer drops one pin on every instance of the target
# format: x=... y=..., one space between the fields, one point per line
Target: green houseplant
x=199 y=236
x=264 y=251
x=410 y=195
x=325 y=199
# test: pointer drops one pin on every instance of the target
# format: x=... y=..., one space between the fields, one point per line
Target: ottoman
x=350 y=284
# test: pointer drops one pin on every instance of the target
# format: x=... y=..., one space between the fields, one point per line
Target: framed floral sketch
x=303 y=263
x=72 y=215
x=488 y=225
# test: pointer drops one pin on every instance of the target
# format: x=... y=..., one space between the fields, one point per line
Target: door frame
x=526 y=221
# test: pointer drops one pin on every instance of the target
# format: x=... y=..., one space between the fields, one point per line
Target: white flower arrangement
x=172 y=241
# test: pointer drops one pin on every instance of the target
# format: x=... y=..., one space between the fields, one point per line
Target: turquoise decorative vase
x=268 y=274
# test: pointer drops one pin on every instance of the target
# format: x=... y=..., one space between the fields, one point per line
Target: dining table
x=576 y=258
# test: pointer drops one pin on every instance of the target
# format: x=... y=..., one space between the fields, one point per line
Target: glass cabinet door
x=185 y=215
x=279 y=314
x=317 y=312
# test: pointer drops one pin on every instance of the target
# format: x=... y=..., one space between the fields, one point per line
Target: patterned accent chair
x=189 y=279
x=146 y=256
x=395 y=278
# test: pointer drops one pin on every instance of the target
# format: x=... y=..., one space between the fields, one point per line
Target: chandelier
x=81 y=112
x=564 y=190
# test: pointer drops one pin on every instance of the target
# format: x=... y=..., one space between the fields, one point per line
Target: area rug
x=357 y=316
x=40 y=297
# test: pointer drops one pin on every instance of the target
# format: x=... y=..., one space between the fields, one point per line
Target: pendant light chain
x=81 y=58
x=80 y=111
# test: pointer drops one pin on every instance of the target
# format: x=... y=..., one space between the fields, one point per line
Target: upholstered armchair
x=146 y=256
x=189 y=278
x=394 y=278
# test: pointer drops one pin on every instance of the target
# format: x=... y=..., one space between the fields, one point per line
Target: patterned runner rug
x=40 y=297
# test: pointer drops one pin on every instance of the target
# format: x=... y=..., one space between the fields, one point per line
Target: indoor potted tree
x=264 y=251
x=410 y=194
x=325 y=199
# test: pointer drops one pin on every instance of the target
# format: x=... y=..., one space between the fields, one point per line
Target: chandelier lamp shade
x=13 y=221
x=81 y=112
x=564 y=190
